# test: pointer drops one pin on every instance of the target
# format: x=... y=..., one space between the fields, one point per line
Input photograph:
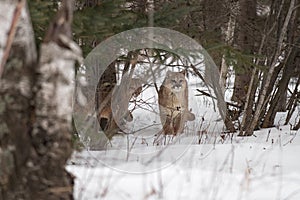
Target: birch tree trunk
x=35 y=106
x=229 y=34
x=16 y=78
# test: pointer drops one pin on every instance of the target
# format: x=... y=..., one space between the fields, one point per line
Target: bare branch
x=264 y=95
x=12 y=33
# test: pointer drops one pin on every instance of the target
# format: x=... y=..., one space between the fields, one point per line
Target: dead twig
x=11 y=34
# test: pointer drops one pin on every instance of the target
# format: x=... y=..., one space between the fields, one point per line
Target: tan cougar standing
x=173 y=103
x=108 y=90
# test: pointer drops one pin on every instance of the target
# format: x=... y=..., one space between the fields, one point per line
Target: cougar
x=106 y=89
x=173 y=103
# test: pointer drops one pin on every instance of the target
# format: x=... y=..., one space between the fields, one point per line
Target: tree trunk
x=35 y=108
x=293 y=102
x=215 y=17
x=297 y=126
x=281 y=90
x=229 y=35
x=263 y=95
x=249 y=102
x=18 y=58
x=278 y=102
x=245 y=42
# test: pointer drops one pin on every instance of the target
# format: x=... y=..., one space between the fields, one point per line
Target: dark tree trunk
x=245 y=42
x=288 y=71
x=293 y=102
x=264 y=97
x=278 y=102
x=215 y=18
x=249 y=108
x=297 y=125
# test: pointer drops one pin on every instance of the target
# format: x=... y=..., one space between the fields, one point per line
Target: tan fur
x=173 y=103
x=104 y=95
x=106 y=84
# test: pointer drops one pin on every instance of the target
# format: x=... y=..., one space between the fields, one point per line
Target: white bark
x=229 y=34
x=6 y=12
x=57 y=63
x=15 y=30
x=16 y=41
x=52 y=130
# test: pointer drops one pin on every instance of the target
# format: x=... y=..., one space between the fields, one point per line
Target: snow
x=199 y=164
x=264 y=166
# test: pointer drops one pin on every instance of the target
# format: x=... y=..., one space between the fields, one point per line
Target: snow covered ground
x=198 y=165
x=264 y=166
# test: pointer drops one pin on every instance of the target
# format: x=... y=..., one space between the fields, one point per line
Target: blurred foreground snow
x=264 y=166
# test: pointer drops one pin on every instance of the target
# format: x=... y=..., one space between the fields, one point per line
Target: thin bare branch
x=264 y=95
x=11 y=34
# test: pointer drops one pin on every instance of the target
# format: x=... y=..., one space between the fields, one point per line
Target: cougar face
x=175 y=81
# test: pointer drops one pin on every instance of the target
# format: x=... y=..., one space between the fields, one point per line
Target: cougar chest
x=175 y=103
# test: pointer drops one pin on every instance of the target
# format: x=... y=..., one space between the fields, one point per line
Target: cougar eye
x=173 y=81
x=180 y=81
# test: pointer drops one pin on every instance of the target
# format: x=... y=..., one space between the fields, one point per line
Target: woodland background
x=257 y=41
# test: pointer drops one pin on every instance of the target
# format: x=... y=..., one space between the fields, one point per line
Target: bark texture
x=15 y=100
x=263 y=98
x=245 y=43
x=35 y=110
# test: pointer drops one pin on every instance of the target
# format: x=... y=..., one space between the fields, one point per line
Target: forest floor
x=204 y=163
x=263 y=166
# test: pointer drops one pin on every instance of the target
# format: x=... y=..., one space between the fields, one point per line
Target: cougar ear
x=184 y=72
